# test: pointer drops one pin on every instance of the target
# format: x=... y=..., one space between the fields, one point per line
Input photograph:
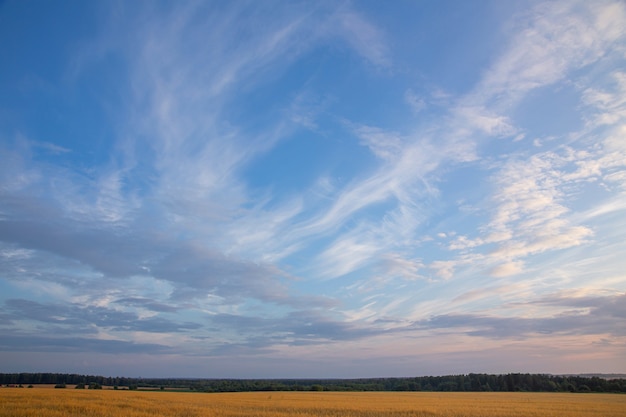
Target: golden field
x=16 y=402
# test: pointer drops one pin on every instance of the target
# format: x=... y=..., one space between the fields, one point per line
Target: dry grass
x=108 y=403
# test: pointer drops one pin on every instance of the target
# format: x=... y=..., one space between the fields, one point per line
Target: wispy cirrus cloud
x=364 y=37
x=531 y=191
x=554 y=39
x=478 y=116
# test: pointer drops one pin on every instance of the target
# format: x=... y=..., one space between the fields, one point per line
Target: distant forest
x=470 y=382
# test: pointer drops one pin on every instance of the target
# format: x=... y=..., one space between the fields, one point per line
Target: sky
x=297 y=189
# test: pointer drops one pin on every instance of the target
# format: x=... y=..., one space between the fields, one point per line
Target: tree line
x=468 y=382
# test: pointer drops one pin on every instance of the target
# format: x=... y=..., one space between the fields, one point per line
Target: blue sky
x=312 y=189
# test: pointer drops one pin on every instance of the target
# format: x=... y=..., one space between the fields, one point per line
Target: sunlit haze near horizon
x=312 y=189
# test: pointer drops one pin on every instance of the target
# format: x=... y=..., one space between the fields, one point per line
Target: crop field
x=16 y=402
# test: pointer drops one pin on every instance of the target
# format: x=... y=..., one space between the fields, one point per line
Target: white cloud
x=396 y=265
x=559 y=36
x=608 y=104
x=363 y=37
x=385 y=145
x=346 y=254
x=417 y=104
x=443 y=269
x=463 y=242
x=485 y=121
x=507 y=269
x=529 y=209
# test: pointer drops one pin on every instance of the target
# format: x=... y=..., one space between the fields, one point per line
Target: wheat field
x=109 y=403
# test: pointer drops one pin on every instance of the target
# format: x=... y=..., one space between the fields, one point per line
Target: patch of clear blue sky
x=537 y=113
x=470 y=33
x=45 y=99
